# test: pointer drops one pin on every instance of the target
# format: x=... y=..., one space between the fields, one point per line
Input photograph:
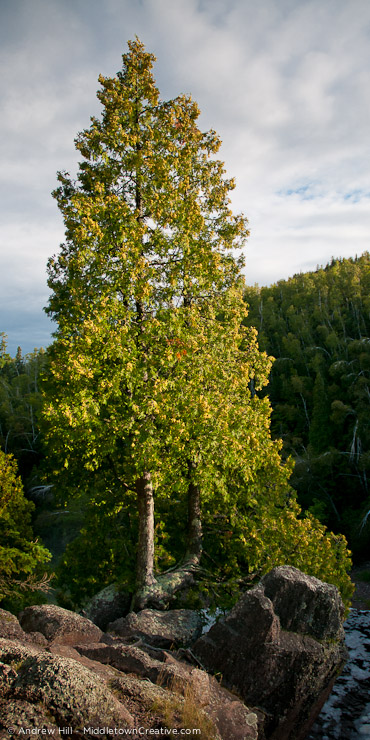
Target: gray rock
x=176 y=627
x=59 y=624
x=109 y=604
x=68 y=692
x=286 y=674
x=303 y=603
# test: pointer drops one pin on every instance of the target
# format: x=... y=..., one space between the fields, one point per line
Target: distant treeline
x=20 y=405
x=316 y=326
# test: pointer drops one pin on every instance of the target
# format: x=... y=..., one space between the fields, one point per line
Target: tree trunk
x=145 y=552
x=157 y=593
x=194 y=545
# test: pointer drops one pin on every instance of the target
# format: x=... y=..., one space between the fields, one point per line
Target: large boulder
x=280 y=648
x=12 y=630
x=58 y=624
x=176 y=627
x=303 y=603
x=10 y=627
x=109 y=604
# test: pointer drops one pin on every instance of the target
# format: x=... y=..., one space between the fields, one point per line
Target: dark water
x=346 y=714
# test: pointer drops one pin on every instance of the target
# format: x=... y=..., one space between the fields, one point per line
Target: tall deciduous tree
x=152 y=373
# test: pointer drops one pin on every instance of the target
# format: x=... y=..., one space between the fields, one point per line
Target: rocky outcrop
x=108 y=605
x=67 y=693
x=174 y=628
x=228 y=714
x=108 y=684
x=277 y=652
x=281 y=652
x=59 y=624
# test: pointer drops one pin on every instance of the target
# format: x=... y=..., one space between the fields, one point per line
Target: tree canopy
x=21 y=556
x=20 y=404
x=317 y=326
x=154 y=379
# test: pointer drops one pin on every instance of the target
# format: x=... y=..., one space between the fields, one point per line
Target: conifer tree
x=21 y=556
x=319 y=433
x=152 y=374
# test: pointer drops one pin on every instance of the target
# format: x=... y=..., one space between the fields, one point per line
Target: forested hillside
x=20 y=404
x=316 y=325
x=23 y=558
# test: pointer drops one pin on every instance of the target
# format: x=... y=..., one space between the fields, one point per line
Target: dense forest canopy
x=20 y=405
x=316 y=325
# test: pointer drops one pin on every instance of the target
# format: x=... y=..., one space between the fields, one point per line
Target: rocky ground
x=277 y=652
x=346 y=714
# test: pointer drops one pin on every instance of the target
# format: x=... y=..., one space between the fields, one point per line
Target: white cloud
x=285 y=85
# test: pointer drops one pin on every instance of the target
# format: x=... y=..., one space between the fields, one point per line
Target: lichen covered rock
x=303 y=603
x=176 y=627
x=9 y=626
x=272 y=661
x=69 y=693
x=106 y=606
x=59 y=624
x=278 y=652
x=19 y=714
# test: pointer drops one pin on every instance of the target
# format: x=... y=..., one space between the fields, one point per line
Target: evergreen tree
x=21 y=557
x=20 y=403
x=153 y=378
x=317 y=326
x=319 y=433
x=136 y=289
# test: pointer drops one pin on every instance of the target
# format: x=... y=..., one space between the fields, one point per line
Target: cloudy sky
x=285 y=83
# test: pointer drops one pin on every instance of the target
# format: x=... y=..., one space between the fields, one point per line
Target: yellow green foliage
x=271 y=531
x=20 y=556
x=152 y=371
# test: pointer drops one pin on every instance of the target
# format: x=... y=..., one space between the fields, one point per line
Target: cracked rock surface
x=277 y=652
